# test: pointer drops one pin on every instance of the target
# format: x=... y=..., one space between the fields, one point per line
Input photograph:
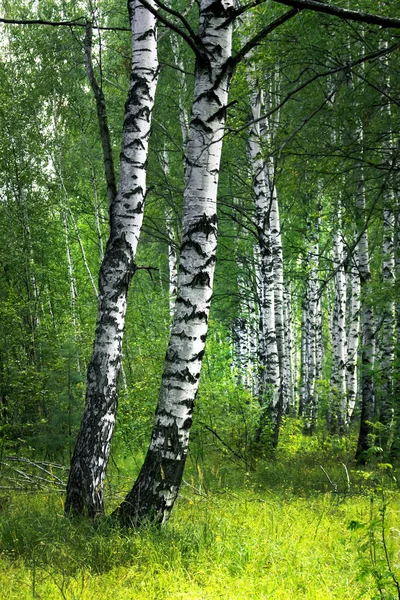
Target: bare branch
x=254 y=41
x=342 y=13
x=344 y=67
x=79 y=22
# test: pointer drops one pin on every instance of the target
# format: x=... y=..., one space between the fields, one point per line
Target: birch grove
x=297 y=173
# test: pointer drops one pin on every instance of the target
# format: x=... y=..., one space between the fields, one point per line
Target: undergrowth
x=299 y=524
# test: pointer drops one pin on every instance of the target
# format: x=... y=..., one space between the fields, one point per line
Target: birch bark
x=311 y=328
x=338 y=406
x=155 y=490
x=269 y=386
x=353 y=335
x=388 y=322
x=89 y=461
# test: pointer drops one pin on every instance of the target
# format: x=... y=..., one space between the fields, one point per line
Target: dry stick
x=239 y=456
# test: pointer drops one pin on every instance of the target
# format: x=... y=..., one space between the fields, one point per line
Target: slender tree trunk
x=387 y=345
x=288 y=366
x=88 y=465
x=156 y=488
x=338 y=405
x=353 y=335
x=395 y=448
x=71 y=273
x=311 y=328
x=277 y=261
x=368 y=338
x=304 y=340
x=269 y=388
x=108 y=160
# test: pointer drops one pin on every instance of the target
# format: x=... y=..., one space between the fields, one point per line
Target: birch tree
x=269 y=386
x=156 y=488
x=89 y=461
x=339 y=342
x=353 y=335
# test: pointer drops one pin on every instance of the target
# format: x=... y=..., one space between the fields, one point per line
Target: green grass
x=280 y=532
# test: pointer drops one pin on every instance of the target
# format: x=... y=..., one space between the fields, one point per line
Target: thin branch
x=149 y=269
x=73 y=23
x=348 y=65
x=179 y=16
x=239 y=456
x=308 y=119
x=342 y=13
x=193 y=42
x=239 y=11
x=254 y=41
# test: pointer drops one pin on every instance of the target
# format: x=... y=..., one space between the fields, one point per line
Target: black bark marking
x=195 y=245
x=201 y=279
x=200 y=124
x=199 y=315
x=209 y=95
x=188 y=304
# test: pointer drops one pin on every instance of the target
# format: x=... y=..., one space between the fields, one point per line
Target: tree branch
x=179 y=16
x=342 y=13
x=105 y=138
x=254 y=41
x=347 y=65
x=79 y=22
x=193 y=42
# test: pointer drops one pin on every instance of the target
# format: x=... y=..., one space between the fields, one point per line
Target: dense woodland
x=196 y=187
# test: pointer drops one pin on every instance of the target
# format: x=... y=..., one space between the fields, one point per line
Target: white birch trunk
x=311 y=328
x=277 y=255
x=395 y=448
x=338 y=408
x=288 y=366
x=88 y=465
x=304 y=342
x=269 y=387
x=172 y=253
x=387 y=345
x=353 y=335
x=156 y=488
x=71 y=274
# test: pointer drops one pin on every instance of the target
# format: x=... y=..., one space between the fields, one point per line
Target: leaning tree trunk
x=156 y=488
x=88 y=465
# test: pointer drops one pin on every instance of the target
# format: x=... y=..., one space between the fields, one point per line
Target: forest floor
x=305 y=523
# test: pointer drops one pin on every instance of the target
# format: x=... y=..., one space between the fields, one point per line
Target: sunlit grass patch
x=286 y=529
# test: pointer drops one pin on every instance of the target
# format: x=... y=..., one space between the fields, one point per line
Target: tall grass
x=287 y=530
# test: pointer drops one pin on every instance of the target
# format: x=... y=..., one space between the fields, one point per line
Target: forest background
x=295 y=430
